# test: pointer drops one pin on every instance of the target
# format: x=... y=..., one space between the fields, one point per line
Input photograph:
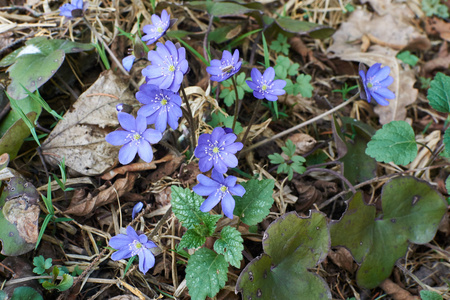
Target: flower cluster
x=375 y=83
x=131 y=244
x=217 y=150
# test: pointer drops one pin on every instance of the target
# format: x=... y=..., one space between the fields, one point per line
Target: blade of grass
x=15 y=106
x=243 y=36
x=194 y=51
x=38 y=98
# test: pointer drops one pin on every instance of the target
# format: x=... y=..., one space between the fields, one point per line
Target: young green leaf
x=41 y=264
x=186 y=207
x=280 y=45
x=434 y=7
x=206 y=273
x=304 y=86
x=192 y=239
x=289 y=149
x=446 y=140
x=439 y=93
x=394 y=142
x=254 y=206
x=230 y=245
x=408 y=58
x=276 y=158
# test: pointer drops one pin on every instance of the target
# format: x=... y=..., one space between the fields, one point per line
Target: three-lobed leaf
x=411 y=213
x=395 y=142
x=206 y=273
x=255 y=204
x=41 y=264
x=291 y=244
x=230 y=245
x=439 y=93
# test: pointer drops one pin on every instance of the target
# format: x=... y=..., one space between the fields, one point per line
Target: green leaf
x=301 y=27
x=219 y=119
x=280 y=45
x=304 y=87
x=447 y=184
x=439 y=93
x=64 y=285
x=430 y=295
x=16 y=107
x=316 y=158
x=446 y=140
x=289 y=150
x=291 y=244
x=254 y=206
x=230 y=245
x=276 y=158
x=434 y=7
x=41 y=264
x=35 y=63
x=192 y=239
x=408 y=58
x=206 y=273
x=411 y=212
x=25 y=292
x=186 y=207
x=395 y=142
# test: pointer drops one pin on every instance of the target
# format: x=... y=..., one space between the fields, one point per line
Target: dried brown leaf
x=82 y=207
x=343 y=259
x=396 y=291
x=80 y=137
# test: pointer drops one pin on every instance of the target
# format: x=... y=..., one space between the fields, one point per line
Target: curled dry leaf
x=343 y=259
x=392 y=29
x=80 y=137
x=84 y=206
x=396 y=291
x=303 y=143
x=140 y=166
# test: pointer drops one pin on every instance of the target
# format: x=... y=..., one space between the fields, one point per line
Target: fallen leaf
x=435 y=26
x=80 y=137
x=396 y=291
x=393 y=29
x=108 y=195
x=442 y=61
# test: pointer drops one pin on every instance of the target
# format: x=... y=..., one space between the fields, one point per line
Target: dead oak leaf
x=105 y=196
x=80 y=136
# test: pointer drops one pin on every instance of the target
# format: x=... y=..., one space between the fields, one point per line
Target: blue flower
x=135 y=137
x=168 y=66
x=264 y=86
x=128 y=61
x=130 y=245
x=73 y=10
x=375 y=84
x=136 y=209
x=218 y=188
x=158 y=28
x=217 y=149
x=160 y=106
x=223 y=69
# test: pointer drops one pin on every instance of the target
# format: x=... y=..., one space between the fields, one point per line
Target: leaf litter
x=102 y=200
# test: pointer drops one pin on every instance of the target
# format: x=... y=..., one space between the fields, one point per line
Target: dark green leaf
x=186 y=207
x=439 y=93
x=301 y=27
x=411 y=213
x=230 y=245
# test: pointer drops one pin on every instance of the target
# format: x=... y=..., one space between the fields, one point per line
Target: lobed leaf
x=186 y=207
x=439 y=93
x=411 y=213
x=395 y=142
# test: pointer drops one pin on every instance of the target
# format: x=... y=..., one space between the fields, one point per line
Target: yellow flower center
x=164 y=101
x=264 y=87
x=171 y=68
x=136 y=136
x=223 y=188
x=369 y=85
x=160 y=29
x=138 y=245
x=216 y=149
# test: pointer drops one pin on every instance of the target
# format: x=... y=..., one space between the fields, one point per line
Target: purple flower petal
x=210 y=202
x=375 y=83
x=145 y=151
x=228 y=204
x=117 y=138
x=146 y=260
x=152 y=136
x=127 y=153
x=136 y=209
x=123 y=253
x=127 y=121
x=128 y=61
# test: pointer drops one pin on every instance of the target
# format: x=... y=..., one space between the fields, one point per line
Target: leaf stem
x=190 y=118
x=236 y=102
x=252 y=120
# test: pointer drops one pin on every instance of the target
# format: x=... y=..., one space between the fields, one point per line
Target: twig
x=351 y=187
x=297 y=127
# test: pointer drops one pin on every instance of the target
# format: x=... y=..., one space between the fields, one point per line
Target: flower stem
x=236 y=102
x=252 y=120
x=190 y=118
